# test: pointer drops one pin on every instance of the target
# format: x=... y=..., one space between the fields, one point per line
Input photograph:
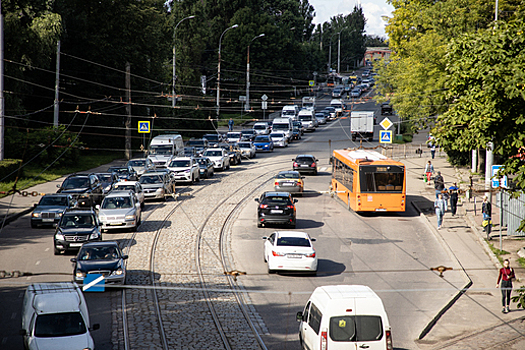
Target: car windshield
x=212 y=137
x=59 y=325
x=150 y=179
x=180 y=163
x=213 y=153
x=104 y=177
x=196 y=143
x=203 y=161
x=49 y=200
x=281 y=126
x=276 y=135
x=76 y=182
x=116 y=203
x=261 y=138
x=77 y=221
x=98 y=253
x=245 y=145
x=137 y=163
x=277 y=200
x=160 y=150
x=233 y=135
x=319 y=115
x=293 y=242
x=290 y=112
x=305 y=117
x=119 y=171
x=288 y=176
x=125 y=187
x=247 y=132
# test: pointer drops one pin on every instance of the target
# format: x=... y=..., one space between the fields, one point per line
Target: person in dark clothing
x=230 y=124
x=454 y=192
x=486 y=208
x=439 y=184
x=506 y=275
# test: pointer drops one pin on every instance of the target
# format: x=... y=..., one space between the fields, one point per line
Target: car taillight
x=294 y=164
x=389 y=344
x=289 y=206
x=274 y=253
x=263 y=206
x=276 y=183
x=311 y=255
x=313 y=165
x=324 y=340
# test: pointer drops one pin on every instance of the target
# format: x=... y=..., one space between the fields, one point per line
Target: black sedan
x=305 y=163
x=103 y=258
x=276 y=208
x=125 y=173
x=205 y=167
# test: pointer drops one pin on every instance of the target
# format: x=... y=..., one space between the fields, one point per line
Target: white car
x=184 y=169
x=141 y=165
x=247 y=149
x=219 y=157
x=120 y=210
x=133 y=186
x=233 y=137
x=279 y=139
x=290 y=251
x=261 y=128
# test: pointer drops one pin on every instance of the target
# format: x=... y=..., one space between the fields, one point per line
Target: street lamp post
x=339 y=53
x=330 y=53
x=219 y=72
x=247 y=105
x=174 y=98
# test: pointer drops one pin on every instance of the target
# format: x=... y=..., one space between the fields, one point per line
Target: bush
x=458 y=158
x=8 y=166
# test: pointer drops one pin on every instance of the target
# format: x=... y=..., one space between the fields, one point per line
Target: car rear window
x=293 y=242
x=356 y=328
x=288 y=176
x=303 y=159
x=59 y=325
x=277 y=200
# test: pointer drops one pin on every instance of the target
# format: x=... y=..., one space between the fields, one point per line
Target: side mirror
x=95 y=327
x=299 y=316
x=256 y=199
x=125 y=257
x=295 y=200
x=73 y=260
x=313 y=239
x=97 y=207
x=265 y=237
x=58 y=186
x=34 y=205
x=302 y=177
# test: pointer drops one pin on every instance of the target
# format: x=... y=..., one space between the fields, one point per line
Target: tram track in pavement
x=153 y=286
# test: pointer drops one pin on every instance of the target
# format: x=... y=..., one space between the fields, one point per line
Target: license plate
x=380 y=209
x=287 y=184
x=75 y=245
x=294 y=256
x=276 y=211
x=48 y=220
x=304 y=165
x=114 y=224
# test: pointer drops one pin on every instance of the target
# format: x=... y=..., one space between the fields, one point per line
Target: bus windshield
x=382 y=179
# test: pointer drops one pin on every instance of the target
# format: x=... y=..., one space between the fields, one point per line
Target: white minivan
x=55 y=316
x=344 y=317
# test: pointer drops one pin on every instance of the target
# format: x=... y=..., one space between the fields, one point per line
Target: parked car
x=276 y=208
x=141 y=165
x=321 y=118
x=247 y=149
x=124 y=172
x=49 y=209
x=199 y=144
x=279 y=139
x=107 y=180
x=248 y=135
x=305 y=163
x=120 y=210
x=263 y=143
x=76 y=227
x=55 y=316
x=103 y=258
x=261 y=128
x=157 y=185
x=233 y=137
x=86 y=189
x=133 y=186
x=290 y=251
x=289 y=181
x=184 y=169
x=205 y=167
x=219 y=157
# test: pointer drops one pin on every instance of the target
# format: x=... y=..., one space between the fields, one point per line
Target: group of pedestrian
x=443 y=194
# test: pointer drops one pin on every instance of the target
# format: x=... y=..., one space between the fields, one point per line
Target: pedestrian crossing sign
x=385 y=136
x=144 y=127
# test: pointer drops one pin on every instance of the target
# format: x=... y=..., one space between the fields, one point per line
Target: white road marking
x=323 y=169
x=37 y=263
x=47 y=249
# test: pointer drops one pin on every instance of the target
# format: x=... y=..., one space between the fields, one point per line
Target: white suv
x=184 y=169
x=219 y=157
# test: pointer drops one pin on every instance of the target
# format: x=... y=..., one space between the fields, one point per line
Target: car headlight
x=36 y=215
x=94 y=235
x=59 y=236
x=130 y=217
x=118 y=271
x=160 y=189
x=80 y=274
x=187 y=171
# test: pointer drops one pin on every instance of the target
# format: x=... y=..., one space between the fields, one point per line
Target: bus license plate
x=380 y=209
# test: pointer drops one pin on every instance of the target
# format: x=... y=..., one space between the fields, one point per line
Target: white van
x=284 y=125
x=338 y=105
x=163 y=147
x=344 y=317
x=290 y=111
x=55 y=316
x=307 y=119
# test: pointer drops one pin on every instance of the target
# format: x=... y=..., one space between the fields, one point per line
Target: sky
x=373 y=10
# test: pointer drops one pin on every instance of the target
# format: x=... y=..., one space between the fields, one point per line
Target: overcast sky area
x=373 y=10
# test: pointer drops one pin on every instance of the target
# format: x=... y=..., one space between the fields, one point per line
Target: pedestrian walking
x=440 y=205
x=454 y=193
x=230 y=124
x=506 y=275
x=486 y=211
x=439 y=184
x=433 y=150
x=429 y=170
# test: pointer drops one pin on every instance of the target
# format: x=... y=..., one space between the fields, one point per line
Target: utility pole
x=247 y=105
x=339 y=53
x=128 y=110
x=219 y=72
x=174 y=77
x=2 y=112
x=57 y=81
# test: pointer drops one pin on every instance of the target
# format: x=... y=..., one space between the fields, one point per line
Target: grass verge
x=497 y=252
x=33 y=177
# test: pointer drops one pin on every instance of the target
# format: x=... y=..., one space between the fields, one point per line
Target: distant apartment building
x=375 y=53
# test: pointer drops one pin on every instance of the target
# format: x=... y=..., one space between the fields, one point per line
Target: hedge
x=8 y=166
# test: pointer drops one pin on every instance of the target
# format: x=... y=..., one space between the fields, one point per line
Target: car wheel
x=254 y=155
x=239 y=161
x=223 y=167
x=293 y=225
x=199 y=178
x=259 y=225
x=270 y=271
x=228 y=166
x=56 y=251
x=264 y=257
x=315 y=172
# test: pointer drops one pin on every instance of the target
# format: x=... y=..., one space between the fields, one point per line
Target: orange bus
x=368 y=181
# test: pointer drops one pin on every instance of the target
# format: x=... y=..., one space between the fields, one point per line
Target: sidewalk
x=474 y=319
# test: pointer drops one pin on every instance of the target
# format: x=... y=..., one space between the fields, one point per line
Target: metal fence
x=408 y=150
x=512 y=212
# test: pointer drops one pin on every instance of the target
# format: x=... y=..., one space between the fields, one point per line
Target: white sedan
x=279 y=139
x=290 y=251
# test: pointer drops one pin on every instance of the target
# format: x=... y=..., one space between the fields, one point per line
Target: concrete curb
x=456 y=297
x=6 y=220
x=482 y=241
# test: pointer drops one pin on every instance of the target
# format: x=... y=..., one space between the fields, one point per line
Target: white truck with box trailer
x=362 y=125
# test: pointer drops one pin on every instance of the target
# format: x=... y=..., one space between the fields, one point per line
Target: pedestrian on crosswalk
x=440 y=205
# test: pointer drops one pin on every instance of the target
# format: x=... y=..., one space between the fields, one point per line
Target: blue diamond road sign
x=385 y=136
x=93 y=283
